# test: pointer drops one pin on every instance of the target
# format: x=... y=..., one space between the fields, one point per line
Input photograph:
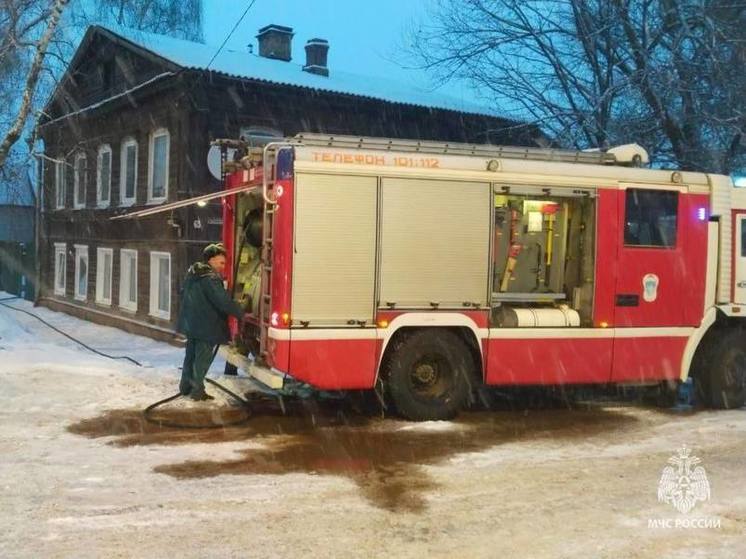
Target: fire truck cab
x=423 y=269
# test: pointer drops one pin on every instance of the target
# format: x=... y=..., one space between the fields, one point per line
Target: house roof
x=244 y=65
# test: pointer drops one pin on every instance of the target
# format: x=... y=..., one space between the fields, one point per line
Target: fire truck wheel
x=725 y=385
x=427 y=374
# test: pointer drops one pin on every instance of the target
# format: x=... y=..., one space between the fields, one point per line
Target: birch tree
x=37 y=39
x=32 y=78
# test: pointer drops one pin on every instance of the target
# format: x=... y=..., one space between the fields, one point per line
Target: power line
x=246 y=11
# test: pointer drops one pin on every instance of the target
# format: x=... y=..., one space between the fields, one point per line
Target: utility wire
x=246 y=11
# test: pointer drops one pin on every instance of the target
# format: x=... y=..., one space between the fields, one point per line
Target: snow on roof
x=243 y=64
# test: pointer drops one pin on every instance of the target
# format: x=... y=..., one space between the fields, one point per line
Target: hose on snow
x=68 y=336
x=148 y=411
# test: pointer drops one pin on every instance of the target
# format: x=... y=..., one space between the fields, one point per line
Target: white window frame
x=151 y=167
x=123 y=199
x=124 y=275
x=59 y=183
x=154 y=302
x=81 y=253
x=60 y=288
x=103 y=298
x=104 y=148
x=78 y=204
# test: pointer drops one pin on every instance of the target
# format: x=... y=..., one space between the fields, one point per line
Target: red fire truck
x=421 y=269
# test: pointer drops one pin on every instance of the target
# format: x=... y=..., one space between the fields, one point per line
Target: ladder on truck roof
x=628 y=154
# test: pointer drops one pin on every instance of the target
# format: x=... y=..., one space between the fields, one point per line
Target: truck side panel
x=647 y=357
x=334 y=359
x=529 y=356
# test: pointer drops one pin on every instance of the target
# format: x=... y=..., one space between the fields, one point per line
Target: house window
x=80 y=177
x=160 y=284
x=59 y=183
x=650 y=218
x=128 y=279
x=81 y=272
x=103 y=176
x=60 y=268
x=158 y=168
x=104 y=264
x=128 y=172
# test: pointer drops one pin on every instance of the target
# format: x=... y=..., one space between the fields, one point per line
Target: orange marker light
x=604 y=324
x=285 y=318
x=383 y=323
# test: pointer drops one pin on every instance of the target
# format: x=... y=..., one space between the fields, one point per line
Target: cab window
x=650 y=218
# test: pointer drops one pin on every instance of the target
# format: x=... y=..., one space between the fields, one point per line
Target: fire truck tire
x=724 y=384
x=427 y=374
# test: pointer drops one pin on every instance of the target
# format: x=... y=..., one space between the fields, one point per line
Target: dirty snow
x=82 y=476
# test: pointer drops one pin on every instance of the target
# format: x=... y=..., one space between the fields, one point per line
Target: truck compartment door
x=332 y=339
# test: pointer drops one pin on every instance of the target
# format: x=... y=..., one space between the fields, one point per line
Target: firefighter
x=205 y=307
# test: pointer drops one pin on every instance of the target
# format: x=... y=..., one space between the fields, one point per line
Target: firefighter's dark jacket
x=205 y=306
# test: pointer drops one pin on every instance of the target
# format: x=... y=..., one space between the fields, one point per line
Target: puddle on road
x=383 y=457
x=130 y=428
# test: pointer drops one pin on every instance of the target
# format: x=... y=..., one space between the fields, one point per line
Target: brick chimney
x=275 y=42
x=316 y=52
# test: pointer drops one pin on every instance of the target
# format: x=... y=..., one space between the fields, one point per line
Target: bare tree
x=34 y=52
x=666 y=73
x=178 y=18
x=32 y=79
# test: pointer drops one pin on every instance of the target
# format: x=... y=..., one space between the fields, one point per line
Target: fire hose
x=68 y=336
x=244 y=404
x=148 y=411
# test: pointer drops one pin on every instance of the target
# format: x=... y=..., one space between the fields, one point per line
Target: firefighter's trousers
x=197 y=361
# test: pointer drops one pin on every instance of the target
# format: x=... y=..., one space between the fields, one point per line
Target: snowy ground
x=81 y=474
